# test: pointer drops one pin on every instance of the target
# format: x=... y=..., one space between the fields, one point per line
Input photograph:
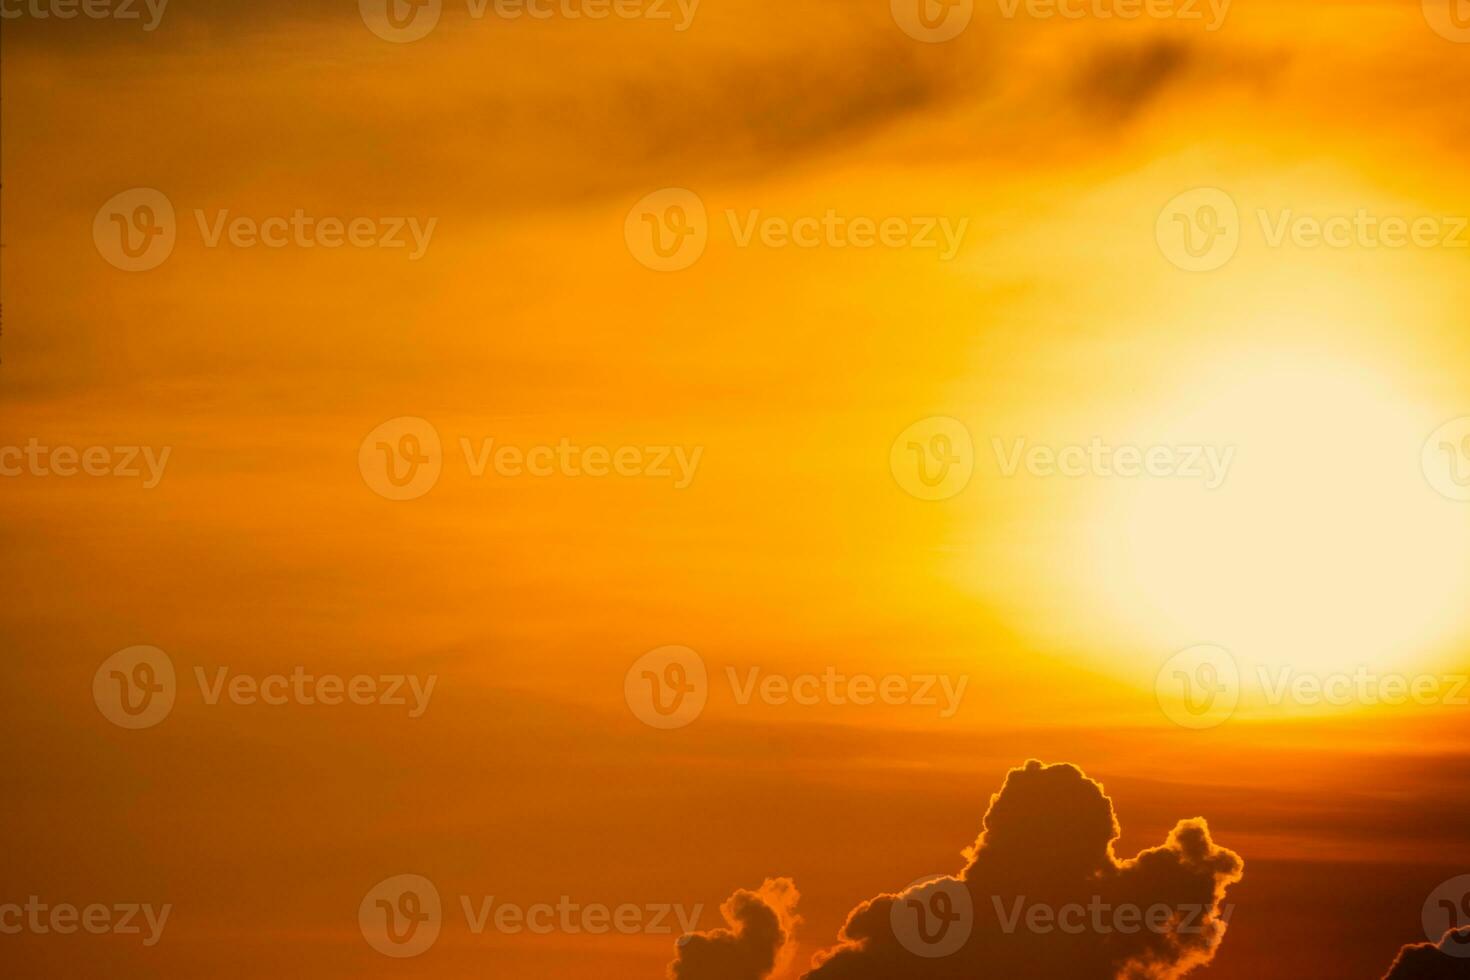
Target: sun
x=1324 y=549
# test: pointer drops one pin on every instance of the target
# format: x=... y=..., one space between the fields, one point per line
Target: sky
x=703 y=454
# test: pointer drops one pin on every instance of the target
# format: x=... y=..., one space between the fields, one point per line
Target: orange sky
x=792 y=548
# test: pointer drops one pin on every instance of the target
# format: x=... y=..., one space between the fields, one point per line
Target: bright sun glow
x=1324 y=549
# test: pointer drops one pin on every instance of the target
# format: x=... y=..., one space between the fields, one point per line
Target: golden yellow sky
x=1061 y=316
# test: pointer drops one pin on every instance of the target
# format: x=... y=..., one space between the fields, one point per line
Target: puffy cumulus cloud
x=1043 y=895
x=759 y=930
x=1429 y=961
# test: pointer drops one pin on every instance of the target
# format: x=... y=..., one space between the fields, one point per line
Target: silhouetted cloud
x=1047 y=897
x=1042 y=895
x=760 y=924
x=1429 y=961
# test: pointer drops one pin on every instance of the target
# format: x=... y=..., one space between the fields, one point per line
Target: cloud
x=1429 y=961
x=1042 y=895
x=1119 y=80
x=760 y=926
